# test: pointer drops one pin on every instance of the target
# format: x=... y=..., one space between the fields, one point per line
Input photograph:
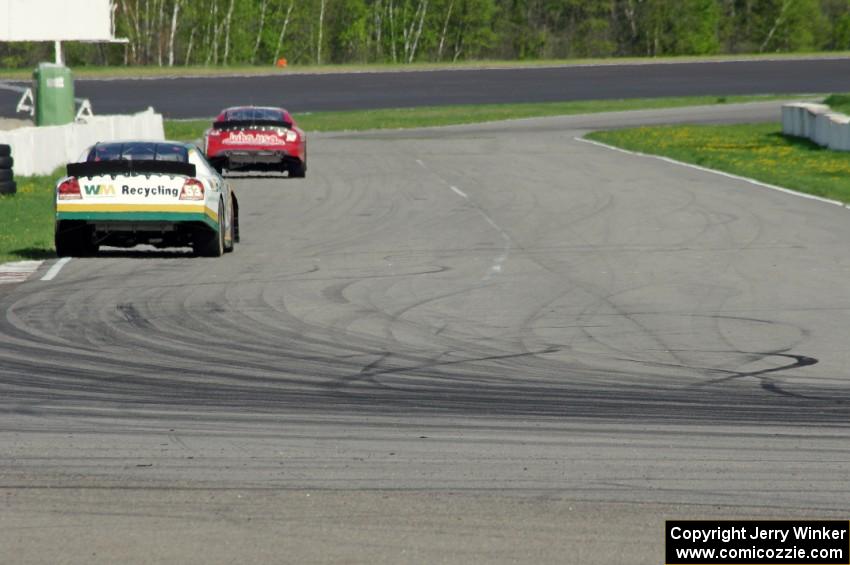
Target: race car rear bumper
x=137 y=215
x=238 y=157
x=256 y=159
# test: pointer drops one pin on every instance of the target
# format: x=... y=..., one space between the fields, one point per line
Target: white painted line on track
x=459 y=192
x=17 y=271
x=54 y=270
x=716 y=172
x=496 y=267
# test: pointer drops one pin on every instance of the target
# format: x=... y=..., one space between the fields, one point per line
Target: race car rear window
x=253 y=114
x=139 y=151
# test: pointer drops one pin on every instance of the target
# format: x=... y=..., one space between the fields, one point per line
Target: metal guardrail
x=26 y=104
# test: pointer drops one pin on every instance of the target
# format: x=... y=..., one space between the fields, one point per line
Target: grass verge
x=201 y=70
x=757 y=151
x=838 y=102
x=397 y=118
x=26 y=220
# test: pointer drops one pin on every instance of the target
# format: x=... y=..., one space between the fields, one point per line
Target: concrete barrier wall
x=39 y=150
x=817 y=123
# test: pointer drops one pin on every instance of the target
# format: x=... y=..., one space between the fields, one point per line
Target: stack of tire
x=7 y=177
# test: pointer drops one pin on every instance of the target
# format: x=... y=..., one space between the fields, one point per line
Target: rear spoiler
x=97 y=168
x=241 y=124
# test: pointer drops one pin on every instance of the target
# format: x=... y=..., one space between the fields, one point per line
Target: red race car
x=256 y=138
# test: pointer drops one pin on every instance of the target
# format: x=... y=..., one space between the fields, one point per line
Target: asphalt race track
x=195 y=97
x=485 y=344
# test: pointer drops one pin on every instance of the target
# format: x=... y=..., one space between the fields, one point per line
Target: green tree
x=693 y=28
x=230 y=32
x=789 y=25
x=348 y=35
x=590 y=29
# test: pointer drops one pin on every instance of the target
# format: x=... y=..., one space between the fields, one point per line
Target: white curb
x=17 y=271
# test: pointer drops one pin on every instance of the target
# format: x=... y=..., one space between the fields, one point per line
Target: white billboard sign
x=56 y=20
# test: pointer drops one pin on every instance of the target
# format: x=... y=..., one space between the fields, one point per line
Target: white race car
x=164 y=194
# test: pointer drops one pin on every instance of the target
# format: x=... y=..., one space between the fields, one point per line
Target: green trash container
x=53 y=88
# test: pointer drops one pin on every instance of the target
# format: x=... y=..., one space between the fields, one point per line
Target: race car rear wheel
x=66 y=245
x=211 y=244
x=298 y=170
x=74 y=240
x=232 y=228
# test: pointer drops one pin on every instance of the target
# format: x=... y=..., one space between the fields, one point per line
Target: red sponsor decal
x=242 y=138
